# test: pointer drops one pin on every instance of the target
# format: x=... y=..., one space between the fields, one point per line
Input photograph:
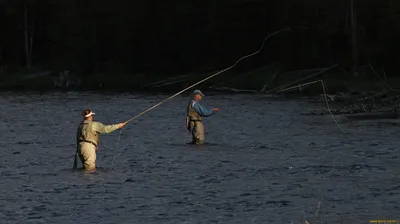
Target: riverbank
x=368 y=95
x=266 y=79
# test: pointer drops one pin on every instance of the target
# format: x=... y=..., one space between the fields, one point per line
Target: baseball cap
x=197 y=92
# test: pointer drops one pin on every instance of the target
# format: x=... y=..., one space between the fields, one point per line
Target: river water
x=263 y=163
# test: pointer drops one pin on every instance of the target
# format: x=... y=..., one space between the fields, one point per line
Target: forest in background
x=131 y=42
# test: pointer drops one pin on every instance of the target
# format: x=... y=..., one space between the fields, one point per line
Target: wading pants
x=87 y=154
x=197 y=132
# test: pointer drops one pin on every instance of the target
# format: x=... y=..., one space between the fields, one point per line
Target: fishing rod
x=209 y=77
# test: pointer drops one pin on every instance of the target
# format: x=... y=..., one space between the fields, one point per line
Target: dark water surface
x=263 y=163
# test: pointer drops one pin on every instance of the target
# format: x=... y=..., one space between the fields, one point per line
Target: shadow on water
x=97 y=171
x=207 y=146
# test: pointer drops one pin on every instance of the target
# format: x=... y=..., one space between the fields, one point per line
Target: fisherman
x=195 y=114
x=88 y=138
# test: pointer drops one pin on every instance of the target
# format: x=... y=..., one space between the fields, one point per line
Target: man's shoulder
x=96 y=123
x=84 y=122
x=88 y=122
x=193 y=102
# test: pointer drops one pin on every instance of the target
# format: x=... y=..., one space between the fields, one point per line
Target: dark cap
x=197 y=92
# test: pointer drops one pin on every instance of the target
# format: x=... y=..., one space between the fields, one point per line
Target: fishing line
x=118 y=136
x=325 y=96
x=209 y=77
x=108 y=120
x=203 y=80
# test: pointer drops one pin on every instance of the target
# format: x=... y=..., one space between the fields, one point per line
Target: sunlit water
x=263 y=163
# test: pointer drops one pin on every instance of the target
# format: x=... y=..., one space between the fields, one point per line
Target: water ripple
x=263 y=163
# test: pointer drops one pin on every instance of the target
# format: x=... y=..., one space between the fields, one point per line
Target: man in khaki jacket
x=88 y=138
x=194 y=117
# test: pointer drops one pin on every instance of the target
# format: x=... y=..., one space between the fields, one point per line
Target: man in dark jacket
x=194 y=116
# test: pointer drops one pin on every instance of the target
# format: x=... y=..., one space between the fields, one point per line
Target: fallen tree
x=355 y=103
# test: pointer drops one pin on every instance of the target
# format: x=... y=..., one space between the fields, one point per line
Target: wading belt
x=89 y=142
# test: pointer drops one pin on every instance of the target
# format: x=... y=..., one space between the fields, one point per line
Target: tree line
x=183 y=36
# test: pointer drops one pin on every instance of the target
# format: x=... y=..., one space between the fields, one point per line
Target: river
x=262 y=163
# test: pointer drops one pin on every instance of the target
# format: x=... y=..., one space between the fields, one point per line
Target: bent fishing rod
x=209 y=77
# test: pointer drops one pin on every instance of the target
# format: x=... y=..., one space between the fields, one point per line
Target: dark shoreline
x=255 y=82
x=154 y=91
x=170 y=92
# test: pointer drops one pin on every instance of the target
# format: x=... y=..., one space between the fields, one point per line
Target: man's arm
x=204 y=112
x=105 y=129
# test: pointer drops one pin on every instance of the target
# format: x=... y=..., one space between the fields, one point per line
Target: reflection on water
x=263 y=163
